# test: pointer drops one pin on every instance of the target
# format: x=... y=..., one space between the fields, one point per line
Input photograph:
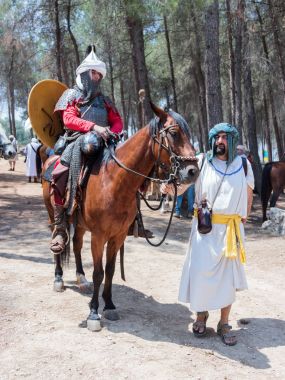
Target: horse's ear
x=159 y=112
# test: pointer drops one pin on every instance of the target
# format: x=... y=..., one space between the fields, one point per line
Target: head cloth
x=232 y=137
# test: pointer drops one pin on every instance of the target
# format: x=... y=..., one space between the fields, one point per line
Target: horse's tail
x=122 y=251
x=266 y=187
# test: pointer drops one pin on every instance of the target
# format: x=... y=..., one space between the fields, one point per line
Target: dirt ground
x=41 y=334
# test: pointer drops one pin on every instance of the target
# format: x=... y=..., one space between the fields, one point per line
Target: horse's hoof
x=84 y=285
x=111 y=315
x=58 y=286
x=94 y=324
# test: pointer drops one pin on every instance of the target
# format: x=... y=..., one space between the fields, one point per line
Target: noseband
x=175 y=160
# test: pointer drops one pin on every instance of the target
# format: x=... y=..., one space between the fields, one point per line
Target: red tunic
x=71 y=119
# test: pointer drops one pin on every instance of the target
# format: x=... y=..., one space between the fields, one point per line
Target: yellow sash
x=234 y=242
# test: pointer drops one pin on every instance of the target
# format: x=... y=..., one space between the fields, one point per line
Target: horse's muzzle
x=188 y=174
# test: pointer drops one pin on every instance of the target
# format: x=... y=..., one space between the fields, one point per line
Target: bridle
x=163 y=143
x=175 y=160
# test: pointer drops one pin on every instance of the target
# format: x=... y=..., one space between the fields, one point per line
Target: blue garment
x=190 y=200
x=49 y=151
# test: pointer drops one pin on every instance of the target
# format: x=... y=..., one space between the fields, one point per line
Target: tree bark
x=11 y=91
x=172 y=75
x=57 y=40
x=111 y=68
x=270 y=89
x=251 y=116
x=238 y=67
x=232 y=61
x=277 y=43
x=197 y=56
x=135 y=28
x=212 y=66
x=267 y=129
x=73 y=39
x=123 y=103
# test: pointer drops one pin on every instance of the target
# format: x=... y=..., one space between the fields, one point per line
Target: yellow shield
x=41 y=103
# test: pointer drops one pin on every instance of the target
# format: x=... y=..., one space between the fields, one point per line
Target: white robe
x=31 y=168
x=209 y=279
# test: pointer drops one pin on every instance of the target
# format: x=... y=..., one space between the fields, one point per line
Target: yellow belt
x=234 y=240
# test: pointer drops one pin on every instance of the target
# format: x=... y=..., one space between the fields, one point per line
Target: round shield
x=41 y=103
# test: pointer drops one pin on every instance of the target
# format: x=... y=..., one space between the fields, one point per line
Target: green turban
x=232 y=138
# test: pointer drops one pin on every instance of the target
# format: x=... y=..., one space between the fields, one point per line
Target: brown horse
x=273 y=178
x=42 y=152
x=109 y=200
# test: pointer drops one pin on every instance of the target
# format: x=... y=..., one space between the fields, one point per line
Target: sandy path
x=40 y=334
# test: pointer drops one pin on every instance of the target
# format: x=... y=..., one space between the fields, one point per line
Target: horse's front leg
x=58 y=285
x=97 y=246
x=81 y=280
x=112 y=248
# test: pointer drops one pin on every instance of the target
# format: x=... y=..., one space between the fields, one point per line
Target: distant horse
x=109 y=201
x=273 y=178
x=7 y=151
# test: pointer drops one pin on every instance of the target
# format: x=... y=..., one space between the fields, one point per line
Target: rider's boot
x=60 y=234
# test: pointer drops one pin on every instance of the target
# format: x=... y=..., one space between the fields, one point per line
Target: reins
x=175 y=160
x=169 y=221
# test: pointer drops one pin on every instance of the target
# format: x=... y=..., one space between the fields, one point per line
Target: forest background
x=210 y=60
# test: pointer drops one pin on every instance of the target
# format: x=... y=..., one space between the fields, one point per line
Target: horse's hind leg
x=112 y=249
x=97 y=246
x=81 y=280
x=275 y=197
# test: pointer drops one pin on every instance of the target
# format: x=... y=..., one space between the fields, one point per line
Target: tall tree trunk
x=11 y=91
x=197 y=56
x=170 y=63
x=232 y=61
x=270 y=89
x=277 y=43
x=267 y=129
x=250 y=115
x=123 y=102
x=57 y=41
x=111 y=68
x=73 y=39
x=203 y=130
x=212 y=66
x=64 y=68
x=135 y=28
x=238 y=66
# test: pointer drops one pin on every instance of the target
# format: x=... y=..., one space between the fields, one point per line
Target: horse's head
x=172 y=149
x=7 y=150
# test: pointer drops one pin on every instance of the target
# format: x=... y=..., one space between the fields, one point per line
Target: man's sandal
x=198 y=325
x=226 y=335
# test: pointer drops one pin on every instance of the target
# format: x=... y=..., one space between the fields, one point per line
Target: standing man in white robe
x=214 y=266
x=30 y=152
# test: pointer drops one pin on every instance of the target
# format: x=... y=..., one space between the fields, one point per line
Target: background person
x=30 y=152
x=12 y=161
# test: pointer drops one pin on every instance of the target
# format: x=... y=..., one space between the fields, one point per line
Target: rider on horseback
x=83 y=109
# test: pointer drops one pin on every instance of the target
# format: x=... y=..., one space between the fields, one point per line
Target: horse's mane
x=155 y=124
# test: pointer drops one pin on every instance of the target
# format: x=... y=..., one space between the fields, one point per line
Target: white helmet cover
x=91 y=62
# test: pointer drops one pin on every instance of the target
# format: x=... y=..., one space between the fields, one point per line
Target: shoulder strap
x=244 y=164
x=33 y=148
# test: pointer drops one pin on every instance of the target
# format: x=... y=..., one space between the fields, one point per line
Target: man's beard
x=220 y=150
